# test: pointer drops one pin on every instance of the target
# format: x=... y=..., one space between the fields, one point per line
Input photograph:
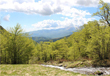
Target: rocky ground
x=85 y=70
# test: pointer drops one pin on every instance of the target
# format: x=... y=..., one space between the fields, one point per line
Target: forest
x=90 y=42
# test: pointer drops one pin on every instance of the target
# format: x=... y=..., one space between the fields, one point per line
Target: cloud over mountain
x=70 y=11
x=56 y=24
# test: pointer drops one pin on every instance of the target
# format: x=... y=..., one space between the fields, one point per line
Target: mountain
x=38 y=39
x=2 y=29
x=53 y=33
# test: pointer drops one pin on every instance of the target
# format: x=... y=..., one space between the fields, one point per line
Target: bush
x=101 y=63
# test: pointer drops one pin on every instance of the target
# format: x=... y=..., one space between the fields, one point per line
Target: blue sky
x=47 y=14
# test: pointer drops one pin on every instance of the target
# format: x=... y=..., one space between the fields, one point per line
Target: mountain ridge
x=44 y=39
x=53 y=33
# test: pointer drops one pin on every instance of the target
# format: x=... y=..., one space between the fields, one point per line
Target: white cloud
x=6 y=18
x=90 y=3
x=45 y=7
x=86 y=3
x=22 y=1
x=12 y=1
x=29 y=7
x=73 y=12
x=49 y=7
x=55 y=24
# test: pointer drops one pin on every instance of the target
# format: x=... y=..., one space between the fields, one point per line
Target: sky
x=35 y=15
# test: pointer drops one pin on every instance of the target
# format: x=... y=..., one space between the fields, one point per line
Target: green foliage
x=16 y=47
x=103 y=12
x=90 y=42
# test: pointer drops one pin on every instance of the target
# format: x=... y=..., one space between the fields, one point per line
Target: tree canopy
x=103 y=12
x=16 y=47
x=91 y=42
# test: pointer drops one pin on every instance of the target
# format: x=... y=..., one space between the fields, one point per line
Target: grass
x=33 y=70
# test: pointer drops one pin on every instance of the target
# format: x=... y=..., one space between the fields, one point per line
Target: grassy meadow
x=33 y=70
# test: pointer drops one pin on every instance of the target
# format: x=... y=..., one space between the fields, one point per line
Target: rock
x=60 y=65
x=65 y=66
x=99 y=73
x=85 y=70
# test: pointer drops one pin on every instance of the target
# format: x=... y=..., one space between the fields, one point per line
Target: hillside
x=53 y=33
x=38 y=39
x=1 y=28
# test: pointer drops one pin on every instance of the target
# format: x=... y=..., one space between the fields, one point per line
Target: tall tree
x=103 y=12
x=18 y=47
